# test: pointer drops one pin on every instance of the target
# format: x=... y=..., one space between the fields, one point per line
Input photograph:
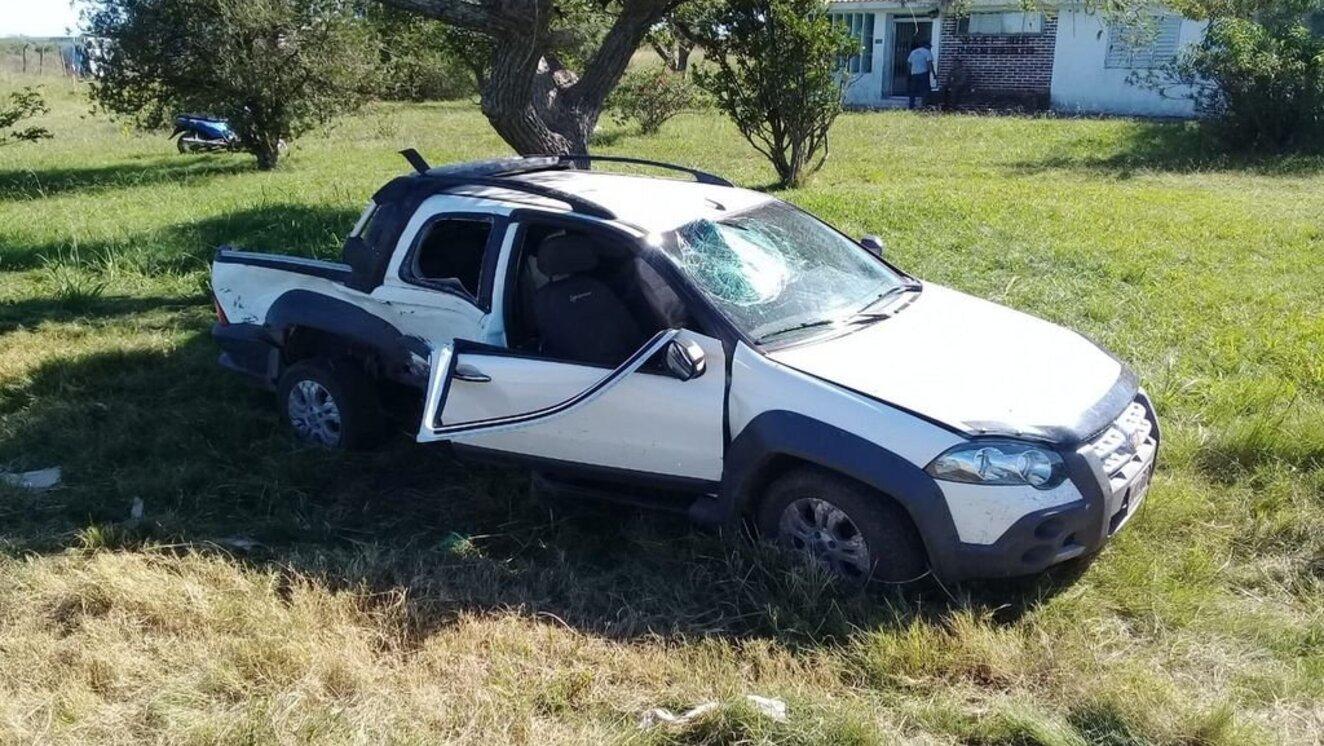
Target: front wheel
x=853 y=531
x=331 y=404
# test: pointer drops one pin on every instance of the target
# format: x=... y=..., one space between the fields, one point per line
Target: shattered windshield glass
x=775 y=269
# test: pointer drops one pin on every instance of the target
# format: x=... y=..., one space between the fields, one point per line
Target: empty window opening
x=451 y=253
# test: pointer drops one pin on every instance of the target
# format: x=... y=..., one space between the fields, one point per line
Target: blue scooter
x=198 y=133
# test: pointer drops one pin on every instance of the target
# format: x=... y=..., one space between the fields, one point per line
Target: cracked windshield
x=774 y=270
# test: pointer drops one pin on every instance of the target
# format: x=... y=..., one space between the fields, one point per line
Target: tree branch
x=604 y=69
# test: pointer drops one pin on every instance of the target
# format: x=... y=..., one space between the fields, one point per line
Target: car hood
x=975 y=366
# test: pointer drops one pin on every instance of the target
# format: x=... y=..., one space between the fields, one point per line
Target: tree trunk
x=268 y=154
x=682 y=62
x=524 y=100
x=534 y=103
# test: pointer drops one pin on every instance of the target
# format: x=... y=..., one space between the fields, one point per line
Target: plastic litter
x=41 y=479
x=767 y=706
x=136 y=510
x=242 y=543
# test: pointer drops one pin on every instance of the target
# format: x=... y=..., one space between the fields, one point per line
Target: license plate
x=1140 y=487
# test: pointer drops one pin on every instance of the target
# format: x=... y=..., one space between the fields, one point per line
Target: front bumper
x=1112 y=483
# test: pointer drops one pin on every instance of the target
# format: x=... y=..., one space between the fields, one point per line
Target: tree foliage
x=273 y=68
x=772 y=68
x=23 y=104
x=422 y=59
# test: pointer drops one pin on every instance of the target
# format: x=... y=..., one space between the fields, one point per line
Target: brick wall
x=1000 y=70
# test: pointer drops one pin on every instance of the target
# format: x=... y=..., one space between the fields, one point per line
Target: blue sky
x=36 y=17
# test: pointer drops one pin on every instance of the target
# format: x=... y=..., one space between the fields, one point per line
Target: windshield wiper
x=865 y=313
x=796 y=328
x=861 y=316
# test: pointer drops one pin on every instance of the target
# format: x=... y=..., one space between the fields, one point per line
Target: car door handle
x=466 y=372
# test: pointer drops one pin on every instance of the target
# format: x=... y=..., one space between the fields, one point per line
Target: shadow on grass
x=97 y=310
x=1173 y=147
x=304 y=230
x=216 y=474
x=20 y=185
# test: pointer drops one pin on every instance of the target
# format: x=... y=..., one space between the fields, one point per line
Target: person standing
x=921 y=70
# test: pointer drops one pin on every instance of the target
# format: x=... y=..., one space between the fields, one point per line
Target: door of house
x=905 y=32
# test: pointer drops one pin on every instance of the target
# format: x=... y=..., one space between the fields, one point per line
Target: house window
x=1143 y=45
x=1015 y=23
x=860 y=28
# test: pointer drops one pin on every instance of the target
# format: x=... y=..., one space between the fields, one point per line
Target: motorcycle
x=198 y=133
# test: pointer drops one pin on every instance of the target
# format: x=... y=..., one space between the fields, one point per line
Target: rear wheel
x=855 y=532
x=331 y=404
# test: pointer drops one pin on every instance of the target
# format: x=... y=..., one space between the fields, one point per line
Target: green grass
x=402 y=596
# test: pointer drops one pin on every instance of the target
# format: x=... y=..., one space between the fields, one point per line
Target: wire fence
x=43 y=57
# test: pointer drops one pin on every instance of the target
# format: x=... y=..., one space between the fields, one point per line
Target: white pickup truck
x=691 y=345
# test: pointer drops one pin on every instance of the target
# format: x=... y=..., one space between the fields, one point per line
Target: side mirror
x=873 y=244
x=685 y=360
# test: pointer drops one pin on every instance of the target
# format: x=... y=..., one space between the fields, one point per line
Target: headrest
x=566 y=254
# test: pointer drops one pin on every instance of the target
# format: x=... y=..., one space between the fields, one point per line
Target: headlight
x=1000 y=462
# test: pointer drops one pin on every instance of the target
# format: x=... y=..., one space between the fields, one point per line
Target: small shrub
x=650 y=97
x=772 y=67
x=1259 y=83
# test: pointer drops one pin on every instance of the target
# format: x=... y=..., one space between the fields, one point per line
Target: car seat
x=578 y=316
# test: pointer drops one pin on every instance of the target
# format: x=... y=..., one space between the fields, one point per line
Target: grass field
x=269 y=593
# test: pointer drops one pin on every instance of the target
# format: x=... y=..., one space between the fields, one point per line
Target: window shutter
x=1138 y=48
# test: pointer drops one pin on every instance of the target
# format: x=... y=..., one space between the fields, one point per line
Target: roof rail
x=508 y=166
x=576 y=203
x=703 y=177
x=513 y=165
x=494 y=172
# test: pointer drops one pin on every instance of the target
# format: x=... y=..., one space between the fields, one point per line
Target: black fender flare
x=779 y=434
x=348 y=322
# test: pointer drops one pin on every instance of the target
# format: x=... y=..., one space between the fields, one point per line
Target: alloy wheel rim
x=824 y=532
x=313 y=413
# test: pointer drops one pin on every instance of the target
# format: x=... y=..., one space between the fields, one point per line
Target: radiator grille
x=1126 y=441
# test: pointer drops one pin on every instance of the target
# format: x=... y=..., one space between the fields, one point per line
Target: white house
x=1069 y=59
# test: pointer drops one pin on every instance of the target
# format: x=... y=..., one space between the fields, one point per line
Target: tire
x=182 y=146
x=331 y=403
x=832 y=511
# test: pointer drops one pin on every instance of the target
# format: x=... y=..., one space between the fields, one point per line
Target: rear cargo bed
x=334 y=271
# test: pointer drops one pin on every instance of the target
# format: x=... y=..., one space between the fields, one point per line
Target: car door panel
x=435 y=313
x=642 y=422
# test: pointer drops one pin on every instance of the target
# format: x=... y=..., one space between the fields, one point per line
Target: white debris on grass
x=41 y=479
x=773 y=708
x=663 y=716
x=766 y=706
x=136 y=510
